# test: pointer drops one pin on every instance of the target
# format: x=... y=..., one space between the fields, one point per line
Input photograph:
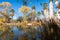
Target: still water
x=19 y=33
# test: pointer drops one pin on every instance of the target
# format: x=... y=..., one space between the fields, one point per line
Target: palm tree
x=45 y=10
x=33 y=13
x=33 y=8
x=38 y=15
x=45 y=5
x=12 y=10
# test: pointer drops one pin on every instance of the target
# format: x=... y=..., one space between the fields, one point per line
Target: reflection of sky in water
x=15 y=30
x=17 y=33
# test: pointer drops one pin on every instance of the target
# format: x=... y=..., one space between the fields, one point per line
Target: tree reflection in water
x=47 y=31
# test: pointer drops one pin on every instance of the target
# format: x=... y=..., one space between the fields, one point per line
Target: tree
x=38 y=14
x=6 y=9
x=12 y=10
x=33 y=13
x=46 y=12
x=20 y=19
x=33 y=7
x=1 y=19
x=45 y=6
x=42 y=13
x=24 y=10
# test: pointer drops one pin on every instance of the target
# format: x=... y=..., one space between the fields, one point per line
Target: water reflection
x=36 y=33
x=17 y=33
x=15 y=30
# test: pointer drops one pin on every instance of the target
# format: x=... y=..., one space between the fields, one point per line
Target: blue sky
x=17 y=5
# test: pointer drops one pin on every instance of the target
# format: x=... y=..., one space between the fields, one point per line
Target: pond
x=20 y=32
x=17 y=33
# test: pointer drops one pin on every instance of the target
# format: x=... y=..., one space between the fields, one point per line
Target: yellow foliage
x=6 y=4
x=2 y=28
x=1 y=19
x=24 y=24
x=24 y=9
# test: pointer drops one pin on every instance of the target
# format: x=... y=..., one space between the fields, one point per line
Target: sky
x=16 y=5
